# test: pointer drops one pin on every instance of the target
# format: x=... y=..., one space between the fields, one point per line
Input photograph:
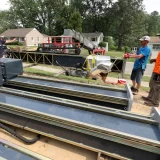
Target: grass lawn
x=28 y=48
x=38 y=72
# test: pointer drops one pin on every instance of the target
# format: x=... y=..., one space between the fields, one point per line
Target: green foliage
x=75 y=21
x=124 y=20
x=126 y=49
x=110 y=41
x=102 y=44
x=113 y=48
x=7 y=21
x=153 y=23
x=16 y=43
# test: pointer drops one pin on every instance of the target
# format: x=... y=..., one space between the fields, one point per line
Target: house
x=95 y=38
x=28 y=36
x=155 y=43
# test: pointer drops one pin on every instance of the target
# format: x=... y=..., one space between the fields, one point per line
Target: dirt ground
x=51 y=148
x=138 y=105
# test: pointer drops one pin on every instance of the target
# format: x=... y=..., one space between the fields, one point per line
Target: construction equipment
x=69 y=43
x=93 y=66
x=115 y=133
x=60 y=44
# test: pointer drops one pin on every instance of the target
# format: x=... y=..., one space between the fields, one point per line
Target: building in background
x=155 y=42
x=28 y=36
x=95 y=38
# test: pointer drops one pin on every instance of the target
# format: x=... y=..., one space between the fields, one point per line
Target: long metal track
x=96 y=130
x=104 y=95
x=10 y=151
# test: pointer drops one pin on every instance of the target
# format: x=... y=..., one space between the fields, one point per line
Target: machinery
x=60 y=44
x=93 y=66
x=87 y=116
x=70 y=43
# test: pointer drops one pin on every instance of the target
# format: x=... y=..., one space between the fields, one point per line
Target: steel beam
x=89 y=92
x=138 y=132
x=10 y=151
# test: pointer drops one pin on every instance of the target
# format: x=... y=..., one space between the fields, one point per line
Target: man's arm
x=136 y=56
x=133 y=56
x=10 y=41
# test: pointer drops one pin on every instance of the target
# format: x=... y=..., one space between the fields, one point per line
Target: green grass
x=28 y=48
x=38 y=72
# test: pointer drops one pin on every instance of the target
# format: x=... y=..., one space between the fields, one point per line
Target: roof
x=20 y=32
x=155 y=39
x=45 y=35
x=95 y=34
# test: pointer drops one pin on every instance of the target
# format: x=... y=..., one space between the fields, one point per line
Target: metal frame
x=80 y=105
x=92 y=96
x=23 y=150
x=77 y=127
x=35 y=57
x=115 y=137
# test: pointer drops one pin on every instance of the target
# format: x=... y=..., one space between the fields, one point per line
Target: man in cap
x=2 y=42
x=140 y=63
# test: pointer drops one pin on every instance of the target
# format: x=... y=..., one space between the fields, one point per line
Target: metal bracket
x=155 y=114
x=103 y=157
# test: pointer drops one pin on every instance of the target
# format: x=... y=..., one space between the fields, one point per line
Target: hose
x=23 y=139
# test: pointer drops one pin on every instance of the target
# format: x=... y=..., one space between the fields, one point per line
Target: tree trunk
x=120 y=41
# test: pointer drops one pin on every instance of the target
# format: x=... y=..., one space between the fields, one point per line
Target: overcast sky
x=150 y=5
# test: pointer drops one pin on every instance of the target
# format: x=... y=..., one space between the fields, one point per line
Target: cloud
x=4 y=4
x=152 y=5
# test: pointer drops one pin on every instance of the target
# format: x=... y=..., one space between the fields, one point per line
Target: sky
x=150 y=5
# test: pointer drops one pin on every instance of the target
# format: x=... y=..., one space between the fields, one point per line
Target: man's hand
x=152 y=60
x=156 y=77
x=127 y=55
x=14 y=40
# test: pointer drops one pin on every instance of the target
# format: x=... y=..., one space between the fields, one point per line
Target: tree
x=126 y=13
x=154 y=23
x=40 y=14
x=110 y=41
x=75 y=21
x=7 y=21
x=92 y=13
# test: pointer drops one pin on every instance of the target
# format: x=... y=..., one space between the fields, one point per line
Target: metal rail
x=10 y=151
x=145 y=136
x=90 y=92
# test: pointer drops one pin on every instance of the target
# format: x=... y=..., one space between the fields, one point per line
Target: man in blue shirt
x=2 y=42
x=140 y=63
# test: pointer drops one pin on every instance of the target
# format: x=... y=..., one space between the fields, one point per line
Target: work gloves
x=127 y=55
x=156 y=77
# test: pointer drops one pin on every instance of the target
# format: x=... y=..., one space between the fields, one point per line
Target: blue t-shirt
x=1 y=46
x=142 y=62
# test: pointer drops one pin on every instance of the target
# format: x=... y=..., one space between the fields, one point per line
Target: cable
x=23 y=139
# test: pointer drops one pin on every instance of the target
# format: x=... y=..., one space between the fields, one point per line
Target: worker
x=140 y=63
x=153 y=97
x=2 y=42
